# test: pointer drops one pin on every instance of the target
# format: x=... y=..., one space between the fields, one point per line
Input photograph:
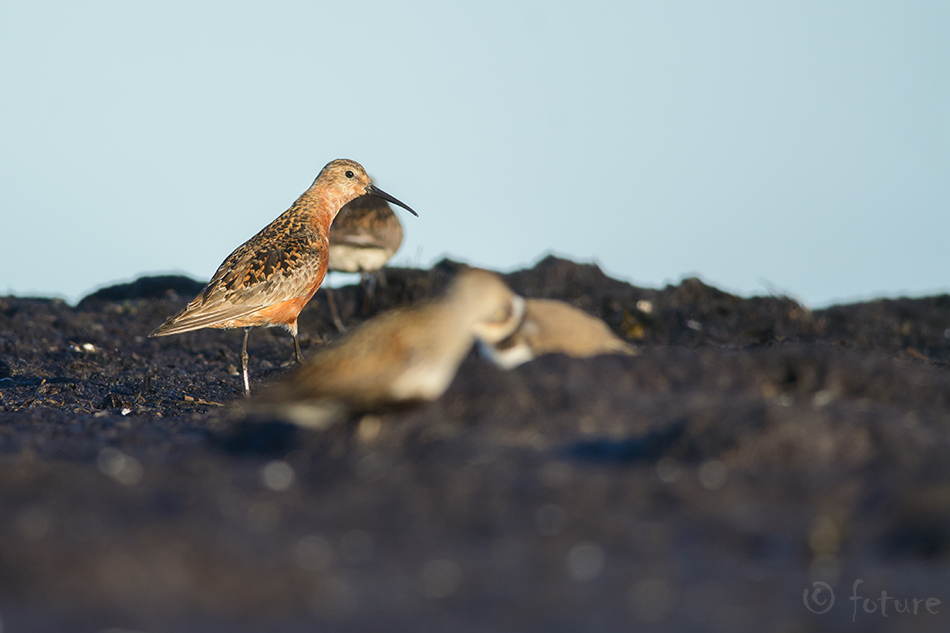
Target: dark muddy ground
x=752 y=449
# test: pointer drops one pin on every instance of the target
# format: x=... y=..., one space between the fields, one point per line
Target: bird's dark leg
x=381 y=278
x=368 y=281
x=333 y=311
x=297 y=349
x=247 y=382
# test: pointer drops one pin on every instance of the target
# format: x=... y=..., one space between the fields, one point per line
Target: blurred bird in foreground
x=270 y=278
x=402 y=356
x=363 y=237
x=549 y=327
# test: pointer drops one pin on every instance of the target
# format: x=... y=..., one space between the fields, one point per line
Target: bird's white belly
x=424 y=381
x=355 y=259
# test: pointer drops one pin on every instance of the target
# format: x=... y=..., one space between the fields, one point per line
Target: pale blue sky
x=801 y=146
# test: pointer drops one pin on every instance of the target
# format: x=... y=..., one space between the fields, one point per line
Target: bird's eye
x=348 y=174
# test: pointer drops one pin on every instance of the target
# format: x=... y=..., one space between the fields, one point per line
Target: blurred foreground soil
x=753 y=449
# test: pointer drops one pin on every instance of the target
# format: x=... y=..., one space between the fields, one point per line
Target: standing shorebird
x=404 y=355
x=268 y=279
x=554 y=327
x=364 y=236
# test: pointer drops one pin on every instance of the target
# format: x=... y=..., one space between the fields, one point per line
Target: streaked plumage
x=270 y=278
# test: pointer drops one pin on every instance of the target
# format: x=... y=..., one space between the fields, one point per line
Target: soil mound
x=752 y=451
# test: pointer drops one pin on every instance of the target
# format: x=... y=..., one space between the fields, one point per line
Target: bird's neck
x=322 y=208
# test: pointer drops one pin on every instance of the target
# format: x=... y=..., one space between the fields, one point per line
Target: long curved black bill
x=376 y=191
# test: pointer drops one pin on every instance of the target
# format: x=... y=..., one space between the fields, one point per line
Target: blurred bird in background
x=554 y=327
x=363 y=237
x=405 y=355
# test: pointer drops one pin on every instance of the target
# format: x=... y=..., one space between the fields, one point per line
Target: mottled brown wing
x=282 y=262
